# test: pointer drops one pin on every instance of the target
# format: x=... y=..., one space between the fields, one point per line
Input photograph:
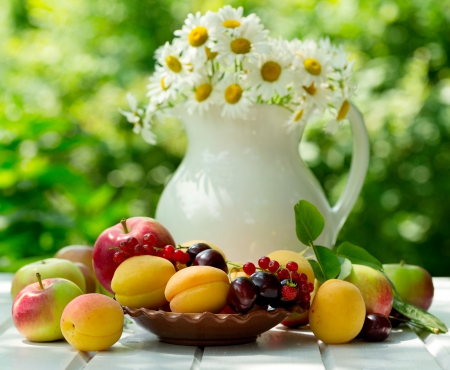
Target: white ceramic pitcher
x=240 y=179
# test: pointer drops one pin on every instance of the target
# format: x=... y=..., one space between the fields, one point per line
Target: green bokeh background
x=70 y=165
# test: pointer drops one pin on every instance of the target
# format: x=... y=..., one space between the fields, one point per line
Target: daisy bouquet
x=228 y=60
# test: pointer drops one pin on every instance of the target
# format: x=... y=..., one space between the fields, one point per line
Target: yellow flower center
x=311 y=89
x=209 y=54
x=312 y=66
x=233 y=93
x=203 y=91
x=270 y=71
x=240 y=46
x=299 y=116
x=198 y=36
x=343 y=111
x=163 y=85
x=231 y=23
x=173 y=63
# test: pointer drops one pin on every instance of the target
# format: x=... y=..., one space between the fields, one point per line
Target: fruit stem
x=304 y=251
x=123 y=221
x=38 y=275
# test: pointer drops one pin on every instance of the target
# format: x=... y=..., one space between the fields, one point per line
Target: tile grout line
x=326 y=355
x=198 y=356
x=432 y=345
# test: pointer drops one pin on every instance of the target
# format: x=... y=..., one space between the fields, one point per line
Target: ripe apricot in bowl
x=198 y=289
x=140 y=281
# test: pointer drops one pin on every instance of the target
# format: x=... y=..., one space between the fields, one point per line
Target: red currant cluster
x=131 y=247
x=295 y=285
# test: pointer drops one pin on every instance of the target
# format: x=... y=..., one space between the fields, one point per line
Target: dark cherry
x=396 y=318
x=242 y=294
x=269 y=287
x=376 y=328
x=211 y=257
x=195 y=249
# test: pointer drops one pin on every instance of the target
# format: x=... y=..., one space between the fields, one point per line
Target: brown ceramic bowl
x=207 y=329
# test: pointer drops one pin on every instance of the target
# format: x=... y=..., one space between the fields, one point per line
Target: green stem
x=304 y=251
x=123 y=221
x=38 y=275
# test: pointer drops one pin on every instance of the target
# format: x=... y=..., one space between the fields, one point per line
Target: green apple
x=374 y=287
x=37 y=308
x=414 y=284
x=48 y=268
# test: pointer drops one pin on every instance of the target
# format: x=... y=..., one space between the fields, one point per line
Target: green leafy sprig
x=309 y=224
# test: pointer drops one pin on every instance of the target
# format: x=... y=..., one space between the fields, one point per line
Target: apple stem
x=38 y=275
x=123 y=221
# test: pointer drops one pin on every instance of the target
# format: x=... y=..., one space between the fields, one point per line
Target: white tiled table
x=277 y=349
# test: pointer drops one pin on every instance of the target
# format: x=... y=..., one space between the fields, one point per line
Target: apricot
x=337 y=312
x=92 y=322
x=284 y=256
x=198 y=289
x=140 y=281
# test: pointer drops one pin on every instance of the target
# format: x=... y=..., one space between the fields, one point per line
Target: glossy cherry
x=211 y=257
x=242 y=294
x=377 y=328
x=269 y=287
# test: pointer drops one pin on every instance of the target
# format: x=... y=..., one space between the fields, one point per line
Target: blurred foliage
x=70 y=165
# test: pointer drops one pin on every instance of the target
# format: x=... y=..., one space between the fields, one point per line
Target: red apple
x=300 y=317
x=109 y=240
x=89 y=277
x=374 y=287
x=413 y=283
x=38 y=308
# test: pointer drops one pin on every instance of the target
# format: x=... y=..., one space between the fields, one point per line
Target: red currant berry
x=123 y=246
x=283 y=274
x=304 y=288
x=306 y=297
x=138 y=250
x=292 y=266
x=303 y=278
x=185 y=258
x=310 y=287
x=168 y=252
x=263 y=262
x=177 y=255
x=131 y=242
x=296 y=277
x=273 y=266
x=249 y=268
x=150 y=239
x=119 y=257
x=159 y=252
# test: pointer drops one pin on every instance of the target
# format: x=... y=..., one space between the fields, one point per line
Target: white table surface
x=277 y=349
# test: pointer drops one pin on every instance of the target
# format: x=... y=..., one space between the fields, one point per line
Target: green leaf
x=318 y=274
x=309 y=222
x=419 y=317
x=328 y=263
x=346 y=268
x=358 y=256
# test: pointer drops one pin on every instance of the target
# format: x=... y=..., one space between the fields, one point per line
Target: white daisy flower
x=134 y=115
x=202 y=95
x=312 y=61
x=233 y=94
x=342 y=104
x=273 y=73
x=226 y=20
x=301 y=114
x=318 y=95
x=162 y=87
x=250 y=44
x=169 y=57
x=195 y=36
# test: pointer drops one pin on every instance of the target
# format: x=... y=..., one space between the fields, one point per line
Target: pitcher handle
x=358 y=170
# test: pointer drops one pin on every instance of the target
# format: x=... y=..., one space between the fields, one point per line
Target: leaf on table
x=358 y=256
x=419 y=317
x=346 y=268
x=327 y=265
x=309 y=222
